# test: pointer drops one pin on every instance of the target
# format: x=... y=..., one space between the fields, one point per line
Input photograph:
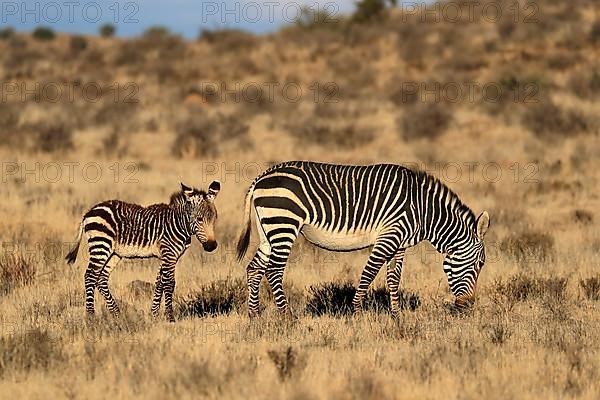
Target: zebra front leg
x=255 y=272
x=158 y=292
x=383 y=251
x=104 y=275
x=394 y=272
x=168 y=286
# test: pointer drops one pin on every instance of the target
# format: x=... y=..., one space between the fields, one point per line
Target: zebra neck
x=449 y=230
x=182 y=220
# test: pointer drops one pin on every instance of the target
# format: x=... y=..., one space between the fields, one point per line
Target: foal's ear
x=213 y=190
x=187 y=191
x=483 y=223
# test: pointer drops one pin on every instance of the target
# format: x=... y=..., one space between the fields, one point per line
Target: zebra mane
x=178 y=198
x=461 y=208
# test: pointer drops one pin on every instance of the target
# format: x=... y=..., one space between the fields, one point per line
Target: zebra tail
x=72 y=256
x=244 y=240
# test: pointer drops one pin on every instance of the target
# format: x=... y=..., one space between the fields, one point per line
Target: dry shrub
x=522 y=287
x=586 y=85
x=289 y=362
x=514 y=88
x=594 y=35
x=78 y=44
x=498 y=330
x=424 y=121
x=229 y=40
x=140 y=289
x=34 y=349
x=335 y=298
x=583 y=217
x=54 y=137
x=548 y=121
x=199 y=134
x=325 y=128
x=218 y=297
x=591 y=287
x=15 y=271
x=529 y=246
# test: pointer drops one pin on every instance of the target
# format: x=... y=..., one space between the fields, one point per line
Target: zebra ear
x=483 y=223
x=213 y=190
x=188 y=191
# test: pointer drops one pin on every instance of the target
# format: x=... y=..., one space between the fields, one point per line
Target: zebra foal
x=115 y=230
x=347 y=207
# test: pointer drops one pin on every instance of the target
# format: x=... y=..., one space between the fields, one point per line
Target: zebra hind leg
x=103 y=277
x=99 y=255
x=280 y=253
x=394 y=272
x=255 y=272
x=385 y=248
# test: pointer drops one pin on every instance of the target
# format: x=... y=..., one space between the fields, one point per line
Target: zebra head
x=463 y=264
x=203 y=213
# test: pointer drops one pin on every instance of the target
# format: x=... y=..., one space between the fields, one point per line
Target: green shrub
x=44 y=33
x=107 y=30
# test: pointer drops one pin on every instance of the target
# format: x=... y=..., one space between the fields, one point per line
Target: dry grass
x=534 y=331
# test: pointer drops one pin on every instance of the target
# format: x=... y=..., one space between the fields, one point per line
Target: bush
x=523 y=287
x=595 y=33
x=107 y=30
x=335 y=298
x=226 y=40
x=529 y=247
x=316 y=19
x=15 y=271
x=215 y=298
x=24 y=352
x=548 y=121
x=289 y=362
x=7 y=33
x=369 y=11
x=200 y=135
x=583 y=217
x=53 y=137
x=586 y=85
x=157 y=32
x=345 y=134
x=78 y=44
x=44 y=33
x=424 y=121
x=591 y=287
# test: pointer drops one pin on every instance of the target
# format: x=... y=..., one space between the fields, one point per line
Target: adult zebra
x=115 y=230
x=347 y=207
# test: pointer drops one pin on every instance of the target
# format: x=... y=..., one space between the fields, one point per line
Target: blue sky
x=186 y=17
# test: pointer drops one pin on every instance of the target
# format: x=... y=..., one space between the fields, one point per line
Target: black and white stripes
x=115 y=230
x=345 y=208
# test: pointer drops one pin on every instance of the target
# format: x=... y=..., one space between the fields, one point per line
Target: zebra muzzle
x=210 y=245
